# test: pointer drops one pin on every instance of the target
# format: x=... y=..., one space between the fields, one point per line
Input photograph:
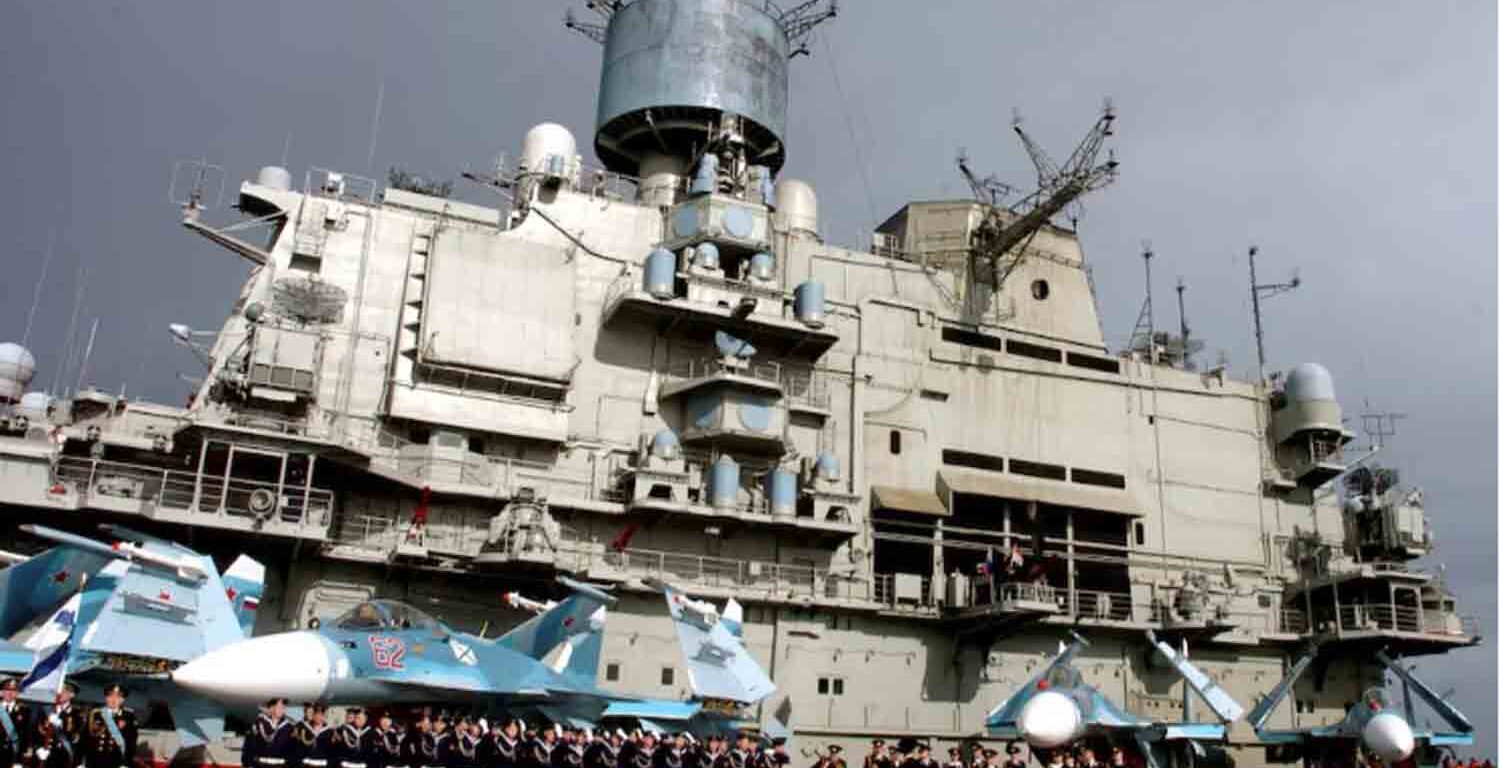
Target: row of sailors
x=65 y=735
x=441 y=741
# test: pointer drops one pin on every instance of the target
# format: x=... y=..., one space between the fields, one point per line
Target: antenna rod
x=1146 y=255
x=375 y=125
x=1182 y=325
x=88 y=351
x=68 y=348
x=36 y=293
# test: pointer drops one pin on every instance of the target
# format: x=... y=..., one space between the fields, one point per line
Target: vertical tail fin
x=555 y=626
x=579 y=657
x=244 y=583
x=718 y=664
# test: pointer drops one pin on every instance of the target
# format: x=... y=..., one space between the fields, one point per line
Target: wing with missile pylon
x=1217 y=699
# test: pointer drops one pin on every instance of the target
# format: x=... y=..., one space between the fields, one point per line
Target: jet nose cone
x=1389 y=737
x=297 y=665
x=1049 y=720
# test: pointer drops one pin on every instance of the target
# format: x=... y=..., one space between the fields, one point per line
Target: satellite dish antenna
x=308 y=300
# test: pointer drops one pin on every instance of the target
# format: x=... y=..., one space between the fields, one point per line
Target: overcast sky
x=1353 y=141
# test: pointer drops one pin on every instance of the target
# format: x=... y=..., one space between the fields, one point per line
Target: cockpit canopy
x=384 y=615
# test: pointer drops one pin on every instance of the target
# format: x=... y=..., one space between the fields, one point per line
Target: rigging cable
x=859 y=159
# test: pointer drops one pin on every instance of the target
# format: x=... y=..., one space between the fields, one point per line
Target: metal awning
x=1054 y=492
x=907 y=500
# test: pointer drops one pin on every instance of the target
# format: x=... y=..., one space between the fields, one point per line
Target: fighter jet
x=1371 y=723
x=385 y=651
x=1057 y=707
x=127 y=611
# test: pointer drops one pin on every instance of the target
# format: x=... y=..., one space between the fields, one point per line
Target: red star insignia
x=568 y=622
x=165 y=596
x=231 y=594
x=60 y=577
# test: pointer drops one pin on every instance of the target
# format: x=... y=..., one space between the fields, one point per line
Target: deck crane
x=1058 y=187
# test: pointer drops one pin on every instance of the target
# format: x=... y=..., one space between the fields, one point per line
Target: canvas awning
x=907 y=500
x=1054 y=492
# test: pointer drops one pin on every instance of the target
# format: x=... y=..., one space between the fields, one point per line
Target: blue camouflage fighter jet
x=1372 y=723
x=1056 y=707
x=126 y=611
x=385 y=651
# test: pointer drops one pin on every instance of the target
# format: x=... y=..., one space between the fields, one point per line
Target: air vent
x=973 y=460
x=972 y=339
x=1038 y=469
x=1035 y=351
x=1094 y=477
x=1101 y=364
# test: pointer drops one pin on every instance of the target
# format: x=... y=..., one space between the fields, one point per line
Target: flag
x=622 y=540
x=51 y=645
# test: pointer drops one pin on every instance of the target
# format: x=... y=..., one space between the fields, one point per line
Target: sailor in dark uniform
x=835 y=757
x=435 y=743
x=740 y=756
x=385 y=743
x=464 y=751
x=351 y=741
x=315 y=744
x=58 y=734
x=112 y=732
x=270 y=742
x=955 y=758
x=671 y=753
x=505 y=745
x=569 y=750
x=15 y=724
x=412 y=740
x=604 y=752
x=535 y=751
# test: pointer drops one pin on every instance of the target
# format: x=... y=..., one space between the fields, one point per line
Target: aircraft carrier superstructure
x=657 y=367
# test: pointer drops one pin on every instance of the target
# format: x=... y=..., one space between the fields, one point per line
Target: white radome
x=1388 y=737
x=1049 y=720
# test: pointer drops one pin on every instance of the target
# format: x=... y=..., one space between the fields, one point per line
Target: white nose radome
x=1389 y=737
x=296 y=665
x=1049 y=720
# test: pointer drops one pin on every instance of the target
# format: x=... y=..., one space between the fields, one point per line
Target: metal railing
x=797 y=385
x=1096 y=604
x=174 y=489
x=1292 y=621
x=1405 y=618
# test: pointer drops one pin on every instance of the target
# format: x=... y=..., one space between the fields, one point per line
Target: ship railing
x=94 y=479
x=1404 y=618
x=1292 y=621
x=1100 y=605
x=797 y=384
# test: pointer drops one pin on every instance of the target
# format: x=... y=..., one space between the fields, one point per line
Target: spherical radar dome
x=544 y=141
x=1388 y=737
x=1049 y=720
x=16 y=363
x=1308 y=382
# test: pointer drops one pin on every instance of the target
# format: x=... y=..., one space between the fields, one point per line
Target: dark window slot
x=932 y=394
x=1093 y=477
x=1035 y=351
x=971 y=339
x=1038 y=469
x=1101 y=364
x=973 y=460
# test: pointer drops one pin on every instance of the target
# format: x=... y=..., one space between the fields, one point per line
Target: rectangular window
x=934 y=395
x=1093 y=477
x=1140 y=534
x=972 y=339
x=838 y=686
x=830 y=686
x=668 y=675
x=974 y=460
x=1034 y=351
x=895 y=442
x=612 y=672
x=1038 y=469
x=822 y=686
x=1101 y=364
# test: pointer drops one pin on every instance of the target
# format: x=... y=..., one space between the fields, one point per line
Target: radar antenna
x=1058 y=188
x=308 y=300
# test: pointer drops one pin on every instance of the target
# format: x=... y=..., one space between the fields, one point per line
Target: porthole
x=1040 y=290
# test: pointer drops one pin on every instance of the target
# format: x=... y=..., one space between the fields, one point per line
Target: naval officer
x=15 y=724
x=59 y=734
x=112 y=732
x=270 y=743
